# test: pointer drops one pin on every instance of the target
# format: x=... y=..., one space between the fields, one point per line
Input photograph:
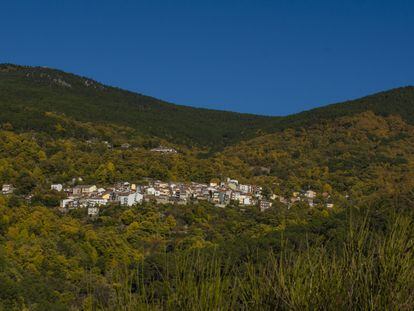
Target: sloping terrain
x=28 y=94
x=356 y=254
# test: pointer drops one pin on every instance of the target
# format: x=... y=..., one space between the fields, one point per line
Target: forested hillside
x=356 y=254
x=28 y=94
x=362 y=155
x=356 y=155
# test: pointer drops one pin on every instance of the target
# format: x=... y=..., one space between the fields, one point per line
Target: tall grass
x=371 y=271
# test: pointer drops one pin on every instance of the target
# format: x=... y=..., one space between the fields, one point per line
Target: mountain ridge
x=146 y=114
x=26 y=93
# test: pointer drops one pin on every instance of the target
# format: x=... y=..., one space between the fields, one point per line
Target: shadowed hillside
x=27 y=93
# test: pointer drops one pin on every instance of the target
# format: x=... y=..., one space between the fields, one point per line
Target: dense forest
x=357 y=255
x=27 y=93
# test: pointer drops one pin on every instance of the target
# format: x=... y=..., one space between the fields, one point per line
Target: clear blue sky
x=258 y=56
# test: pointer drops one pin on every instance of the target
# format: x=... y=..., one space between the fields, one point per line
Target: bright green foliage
x=204 y=258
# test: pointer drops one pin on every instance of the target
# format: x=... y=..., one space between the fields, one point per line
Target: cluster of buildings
x=160 y=149
x=219 y=193
x=91 y=197
x=309 y=197
x=163 y=149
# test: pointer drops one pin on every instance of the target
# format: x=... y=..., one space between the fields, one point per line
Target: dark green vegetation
x=358 y=255
x=26 y=93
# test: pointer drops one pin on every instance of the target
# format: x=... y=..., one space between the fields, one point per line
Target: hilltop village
x=219 y=193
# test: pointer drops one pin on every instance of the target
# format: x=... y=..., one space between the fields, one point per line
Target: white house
x=245 y=200
x=264 y=205
x=84 y=189
x=245 y=188
x=57 y=187
x=163 y=149
x=130 y=198
x=66 y=202
x=93 y=211
x=235 y=196
x=232 y=181
x=310 y=194
x=152 y=191
x=92 y=202
x=7 y=189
